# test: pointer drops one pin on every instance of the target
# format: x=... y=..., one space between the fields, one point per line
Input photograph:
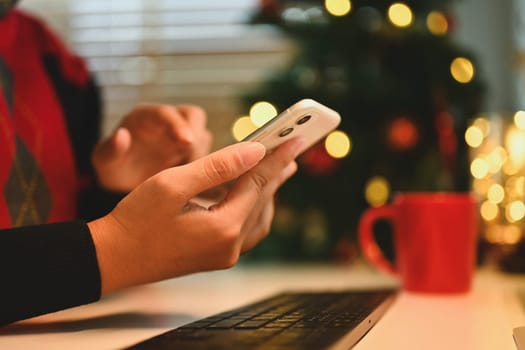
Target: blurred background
x=427 y=90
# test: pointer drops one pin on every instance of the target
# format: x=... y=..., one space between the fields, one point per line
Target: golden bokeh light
x=338 y=7
x=519 y=119
x=482 y=124
x=462 y=70
x=481 y=186
x=496 y=158
x=377 y=191
x=437 y=23
x=510 y=168
x=489 y=211
x=474 y=136
x=496 y=194
x=515 y=211
x=242 y=127
x=479 y=168
x=515 y=186
x=338 y=144
x=261 y=112
x=515 y=144
x=503 y=234
x=400 y=15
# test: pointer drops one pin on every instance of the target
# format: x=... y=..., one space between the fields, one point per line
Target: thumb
x=219 y=167
x=114 y=146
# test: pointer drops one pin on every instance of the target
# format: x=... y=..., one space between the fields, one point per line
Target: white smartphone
x=307 y=118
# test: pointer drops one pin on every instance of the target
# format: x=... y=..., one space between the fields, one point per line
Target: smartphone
x=307 y=119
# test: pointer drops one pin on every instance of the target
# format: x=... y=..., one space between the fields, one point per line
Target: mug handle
x=367 y=241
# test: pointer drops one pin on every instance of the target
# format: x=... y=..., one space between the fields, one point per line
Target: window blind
x=168 y=51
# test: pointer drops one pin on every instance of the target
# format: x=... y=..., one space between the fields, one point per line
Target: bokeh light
x=242 y=127
x=503 y=234
x=338 y=144
x=474 y=136
x=515 y=211
x=400 y=15
x=481 y=186
x=519 y=119
x=437 y=23
x=515 y=186
x=496 y=194
x=515 y=144
x=261 y=112
x=496 y=158
x=489 y=211
x=462 y=70
x=479 y=168
x=377 y=191
x=483 y=124
x=338 y=7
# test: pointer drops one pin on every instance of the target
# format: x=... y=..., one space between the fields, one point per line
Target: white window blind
x=168 y=51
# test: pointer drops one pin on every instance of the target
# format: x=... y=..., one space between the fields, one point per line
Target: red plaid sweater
x=49 y=124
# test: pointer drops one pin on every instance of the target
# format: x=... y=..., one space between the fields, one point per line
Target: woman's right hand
x=155 y=233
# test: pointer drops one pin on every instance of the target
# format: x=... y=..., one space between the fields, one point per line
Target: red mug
x=435 y=238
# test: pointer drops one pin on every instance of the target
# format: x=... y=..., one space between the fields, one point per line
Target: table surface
x=481 y=319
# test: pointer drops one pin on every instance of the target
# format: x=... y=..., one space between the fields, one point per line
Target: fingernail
x=252 y=153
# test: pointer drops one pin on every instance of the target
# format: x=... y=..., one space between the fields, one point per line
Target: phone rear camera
x=303 y=119
x=285 y=132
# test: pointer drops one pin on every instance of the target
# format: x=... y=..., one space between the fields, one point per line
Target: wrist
x=113 y=254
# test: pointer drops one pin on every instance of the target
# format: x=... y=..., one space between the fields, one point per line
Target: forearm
x=46 y=268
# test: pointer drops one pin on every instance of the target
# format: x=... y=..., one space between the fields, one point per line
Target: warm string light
x=437 y=23
x=498 y=171
x=474 y=136
x=462 y=70
x=338 y=8
x=338 y=144
x=243 y=127
x=261 y=112
x=519 y=119
x=400 y=15
x=377 y=191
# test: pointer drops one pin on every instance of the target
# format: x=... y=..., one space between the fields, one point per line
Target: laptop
x=291 y=320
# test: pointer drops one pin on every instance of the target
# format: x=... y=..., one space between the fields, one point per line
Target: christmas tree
x=405 y=92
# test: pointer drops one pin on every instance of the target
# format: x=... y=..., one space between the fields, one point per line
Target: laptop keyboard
x=286 y=321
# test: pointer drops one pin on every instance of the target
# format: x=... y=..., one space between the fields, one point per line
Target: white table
x=481 y=319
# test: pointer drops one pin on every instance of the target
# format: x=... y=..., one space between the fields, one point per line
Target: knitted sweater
x=49 y=124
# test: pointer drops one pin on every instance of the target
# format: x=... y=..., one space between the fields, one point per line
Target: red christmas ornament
x=402 y=134
x=448 y=146
x=270 y=8
x=318 y=162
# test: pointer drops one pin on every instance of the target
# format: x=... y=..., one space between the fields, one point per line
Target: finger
x=194 y=115
x=260 y=230
x=250 y=187
x=257 y=221
x=169 y=116
x=217 y=168
x=287 y=172
x=115 y=146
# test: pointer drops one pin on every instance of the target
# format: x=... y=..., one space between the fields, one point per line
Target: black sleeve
x=46 y=268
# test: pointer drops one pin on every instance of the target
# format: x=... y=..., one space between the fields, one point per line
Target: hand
x=155 y=233
x=150 y=138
